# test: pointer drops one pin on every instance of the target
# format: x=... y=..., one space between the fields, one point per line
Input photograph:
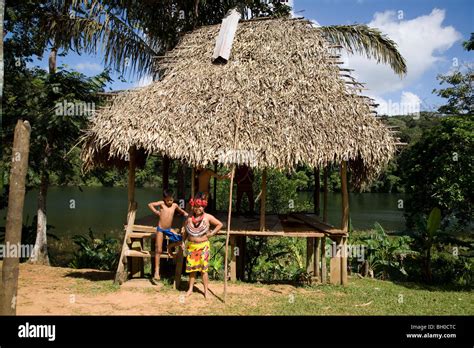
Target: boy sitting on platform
x=166 y=214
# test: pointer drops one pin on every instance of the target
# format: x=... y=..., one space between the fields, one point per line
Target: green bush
x=450 y=269
x=216 y=263
x=386 y=254
x=95 y=253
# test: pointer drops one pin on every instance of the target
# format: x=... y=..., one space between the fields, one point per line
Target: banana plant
x=428 y=231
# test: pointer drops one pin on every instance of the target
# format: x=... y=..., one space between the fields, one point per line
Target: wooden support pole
x=317 y=189
x=178 y=269
x=214 y=198
x=335 y=262
x=323 y=261
x=193 y=182
x=315 y=243
x=121 y=274
x=229 y=217
x=136 y=265
x=325 y=219
x=325 y=195
x=13 y=227
x=317 y=258
x=263 y=200
x=344 y=262
x=166 y=172
x=310 y=255
x=233 y=259
x=181 y=183
x=242 y=245
x=344 y=221
x=131 y=177
x=345 y=198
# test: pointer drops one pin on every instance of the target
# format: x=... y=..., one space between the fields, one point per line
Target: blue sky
x=429 y=34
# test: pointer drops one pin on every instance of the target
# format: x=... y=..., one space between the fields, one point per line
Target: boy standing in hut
x=166 y=214
x=197 y=234
x=244 y=178
x=204 y=176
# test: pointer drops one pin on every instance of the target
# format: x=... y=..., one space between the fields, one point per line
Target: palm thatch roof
x=279 y=102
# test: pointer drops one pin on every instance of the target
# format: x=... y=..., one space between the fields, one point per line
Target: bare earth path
x=64 y=291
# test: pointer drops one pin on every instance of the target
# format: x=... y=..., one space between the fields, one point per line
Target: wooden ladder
x=133 y=255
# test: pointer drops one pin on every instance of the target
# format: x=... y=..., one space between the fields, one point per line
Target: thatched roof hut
x=279 y=102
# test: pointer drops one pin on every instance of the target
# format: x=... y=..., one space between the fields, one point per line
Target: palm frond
x=87 y=25
x=366 y=41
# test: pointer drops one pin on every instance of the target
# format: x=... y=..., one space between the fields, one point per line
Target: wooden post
x=335 y=262
x=310 y=255
x=317 y=258
x=344 y=221
x=131 y=177
x=181 y=183
x=136 y=264
x=233 y=259
x=312 y=244
x=323 y=261
x=241 y=244
x=263 y=199
x=325 y=195
x=179 y=268
x=229 y=217
x=345 y=198
x=121 y=274
x=214 y=198
x=325 y=219
x=317 y=189
x=344 y=262
x=166 y=170
x=193 y=182
x=16 y=200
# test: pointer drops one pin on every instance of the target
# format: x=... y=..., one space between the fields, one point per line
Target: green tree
x=469 y=44
x=438 y=171
x=57 y=107
x=460 y=92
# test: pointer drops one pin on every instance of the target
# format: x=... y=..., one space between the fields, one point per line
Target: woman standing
x=197 y=233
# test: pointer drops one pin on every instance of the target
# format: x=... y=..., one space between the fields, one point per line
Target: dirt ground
x=62 y=291
x=65 y=291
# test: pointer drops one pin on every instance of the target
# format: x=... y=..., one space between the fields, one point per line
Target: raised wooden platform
x=288 y=225
x=302 y=225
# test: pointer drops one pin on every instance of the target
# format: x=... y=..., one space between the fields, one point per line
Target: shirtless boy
x=166 y=211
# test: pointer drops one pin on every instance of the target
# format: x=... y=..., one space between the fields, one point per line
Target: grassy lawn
x=376 y=297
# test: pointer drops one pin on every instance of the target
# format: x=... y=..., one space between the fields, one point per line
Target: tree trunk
x=40 y=251
x=16 y=199
x=196 y=12
x=52 y=60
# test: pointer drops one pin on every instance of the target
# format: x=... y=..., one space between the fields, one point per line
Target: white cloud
x=144 y=81
x=88 y=66
x=409 y=104
x=421 y=41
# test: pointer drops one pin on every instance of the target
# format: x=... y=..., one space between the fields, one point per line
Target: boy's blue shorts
x=173 y=237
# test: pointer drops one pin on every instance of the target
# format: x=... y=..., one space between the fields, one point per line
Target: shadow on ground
x=92 y=275
x=435 y=287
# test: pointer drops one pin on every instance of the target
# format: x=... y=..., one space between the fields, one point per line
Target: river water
x=73 y=211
